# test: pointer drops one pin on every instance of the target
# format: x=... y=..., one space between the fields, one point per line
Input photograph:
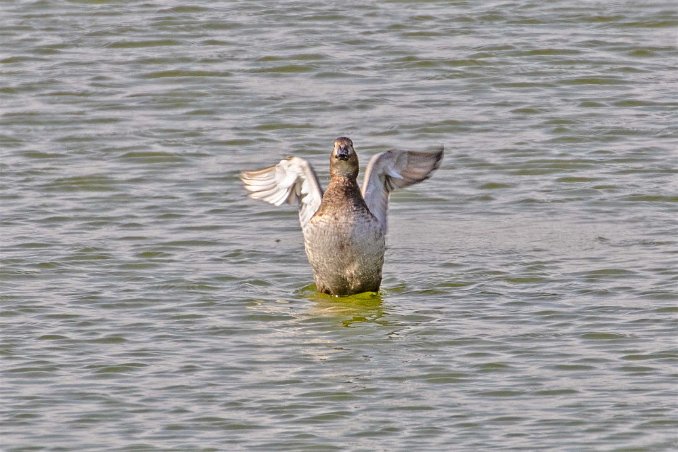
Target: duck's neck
x=343 y=190
x=343 y=182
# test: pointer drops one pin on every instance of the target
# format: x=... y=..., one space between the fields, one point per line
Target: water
x=530 y=287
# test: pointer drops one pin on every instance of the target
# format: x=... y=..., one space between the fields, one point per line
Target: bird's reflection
x=359 y=308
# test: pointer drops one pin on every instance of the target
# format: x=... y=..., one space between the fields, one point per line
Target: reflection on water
x=364 y=307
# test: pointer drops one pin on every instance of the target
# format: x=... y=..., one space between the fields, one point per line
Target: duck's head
x=343 y=160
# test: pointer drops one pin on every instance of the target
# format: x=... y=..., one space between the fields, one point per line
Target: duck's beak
x=342 y=153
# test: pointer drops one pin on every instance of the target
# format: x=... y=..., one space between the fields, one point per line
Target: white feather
x=292 y=180
x=390 y=170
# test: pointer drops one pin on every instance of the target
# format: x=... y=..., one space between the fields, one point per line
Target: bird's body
x=344 y=242
x=344 y=228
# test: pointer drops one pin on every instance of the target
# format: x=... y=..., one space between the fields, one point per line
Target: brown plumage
x=345 y=227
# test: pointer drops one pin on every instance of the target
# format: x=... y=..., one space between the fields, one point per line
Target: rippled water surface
x=530 y=295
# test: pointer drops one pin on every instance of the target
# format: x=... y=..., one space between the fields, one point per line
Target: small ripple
x=285 y=69
x=651 y=198
x=112 y=370
x=152 y=157
x=113 y=339
x=143 y=44
x=90 y=183
x=183 y=73
x=604 y=336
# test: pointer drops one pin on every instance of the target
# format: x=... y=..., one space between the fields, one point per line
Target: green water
x=530 y=295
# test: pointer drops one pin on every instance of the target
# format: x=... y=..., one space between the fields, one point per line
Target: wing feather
x=293 y=180
x=391 y=170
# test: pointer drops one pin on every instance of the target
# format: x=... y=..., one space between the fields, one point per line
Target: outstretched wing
x=395 y=169
x=292 y=180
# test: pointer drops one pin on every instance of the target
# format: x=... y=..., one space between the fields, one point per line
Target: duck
x=344 y=226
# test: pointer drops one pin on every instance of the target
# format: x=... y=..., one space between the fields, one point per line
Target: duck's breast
x=346 y=250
